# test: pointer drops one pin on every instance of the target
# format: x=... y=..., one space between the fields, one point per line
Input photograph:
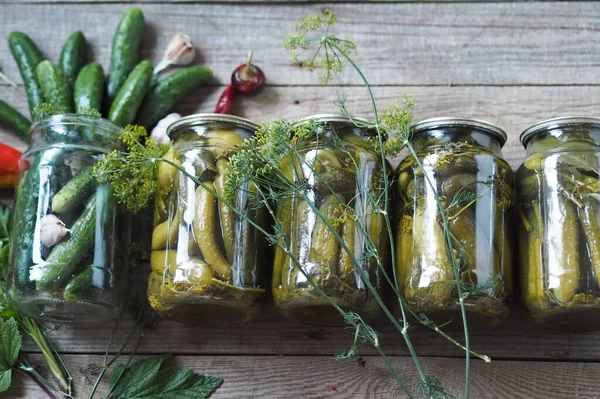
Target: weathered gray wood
x=516 y=338
x=513 y=108
x=322 y=377
x=402 y=43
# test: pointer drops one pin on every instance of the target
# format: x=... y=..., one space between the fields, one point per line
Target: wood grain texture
x=248 y=377
x=517 y=338
x=513 y=108
x=398 y=44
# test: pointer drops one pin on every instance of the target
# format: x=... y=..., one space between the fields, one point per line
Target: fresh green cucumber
x=127 y=103
x=89 y=87
x=72 y=56
x=54 y=85
x=125 y=50
x=69 y=252
x=168 y=91
x=76 y=191
x=15 y=121
x=79 y=285
x=27 y=56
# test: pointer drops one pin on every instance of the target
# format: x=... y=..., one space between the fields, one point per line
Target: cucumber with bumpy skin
x=78 y=285
x=89 y=87
x=55 y=88
x=75 y=191
x=27 y=56
x=168 y=91
x=127 y=103
x=72 y=56
x=15 y=121
x=125 y=50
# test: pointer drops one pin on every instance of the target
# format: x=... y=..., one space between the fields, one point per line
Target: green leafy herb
x=148 y=379
x=10 y=346
x=132 y=173
x=47 y=109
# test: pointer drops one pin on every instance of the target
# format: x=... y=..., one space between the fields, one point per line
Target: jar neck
x=457 y=138
x=330 y=131
x=96 y=134
x=564 y=138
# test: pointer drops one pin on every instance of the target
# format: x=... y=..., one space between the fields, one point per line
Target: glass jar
x=559 y=234
x=208 y=263
x=463 y=167
x=70 y=242
x=342 y=173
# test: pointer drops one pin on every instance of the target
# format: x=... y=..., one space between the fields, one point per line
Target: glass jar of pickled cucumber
x=342 y=176
x=71 y=237
x=462 y=166
x=558 y=188
x=208 y=263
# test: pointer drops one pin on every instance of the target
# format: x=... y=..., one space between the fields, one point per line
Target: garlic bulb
x=180 y=51
x=159 y=133
x=53 y=230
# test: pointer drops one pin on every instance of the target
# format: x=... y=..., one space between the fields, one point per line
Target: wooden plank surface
x=324 y=377
x=516 y=339
x=399 y=44
x=513 y=108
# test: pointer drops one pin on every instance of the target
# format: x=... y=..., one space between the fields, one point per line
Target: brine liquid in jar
x=464 y=177
x=559 y=218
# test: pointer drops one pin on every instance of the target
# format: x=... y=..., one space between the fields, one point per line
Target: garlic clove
x=53 y=230
x=180 y=51
x=159 y=133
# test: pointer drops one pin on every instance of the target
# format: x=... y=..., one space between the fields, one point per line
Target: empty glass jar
x=71 y=237
x=208 y=263
x=559 y=208
x=464 y=174
x=341 y=174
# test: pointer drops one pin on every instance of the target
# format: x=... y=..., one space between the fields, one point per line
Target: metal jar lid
x=436 y=123
x=198 y=119
x=556 y=123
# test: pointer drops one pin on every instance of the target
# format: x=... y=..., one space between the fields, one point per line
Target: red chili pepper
x=248 y=78
x=9 y=166
x=225 y=103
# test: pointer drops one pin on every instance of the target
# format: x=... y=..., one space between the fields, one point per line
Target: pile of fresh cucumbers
x=131 y=93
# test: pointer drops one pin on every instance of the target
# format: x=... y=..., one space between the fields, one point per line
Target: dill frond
x=132 y=174
x=327 y=57
x=47 y=109
x=90 y=112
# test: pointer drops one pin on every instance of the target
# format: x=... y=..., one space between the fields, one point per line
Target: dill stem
x=32 y=328
x=39 y=383
x=388 y=364
x=454 y=263
x=404 y=329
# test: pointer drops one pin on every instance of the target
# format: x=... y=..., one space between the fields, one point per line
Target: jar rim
x=196 y=119
x=330 y=118
x=450 y=121
x=69 y=119
x=555 y=123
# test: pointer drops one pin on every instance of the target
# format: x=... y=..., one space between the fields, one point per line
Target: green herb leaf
x=10 y=346
x=146 y=380
x=5 y=379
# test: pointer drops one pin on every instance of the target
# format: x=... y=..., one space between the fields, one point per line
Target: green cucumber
x=76 y=191
x=168 y=91
x=15 y=121
x=89 y=87
x=127 y=103
x=79 y=285
x=27 y=56
x=72 y=56
x=70 y=251
x=54 y=85
x=125 y=50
